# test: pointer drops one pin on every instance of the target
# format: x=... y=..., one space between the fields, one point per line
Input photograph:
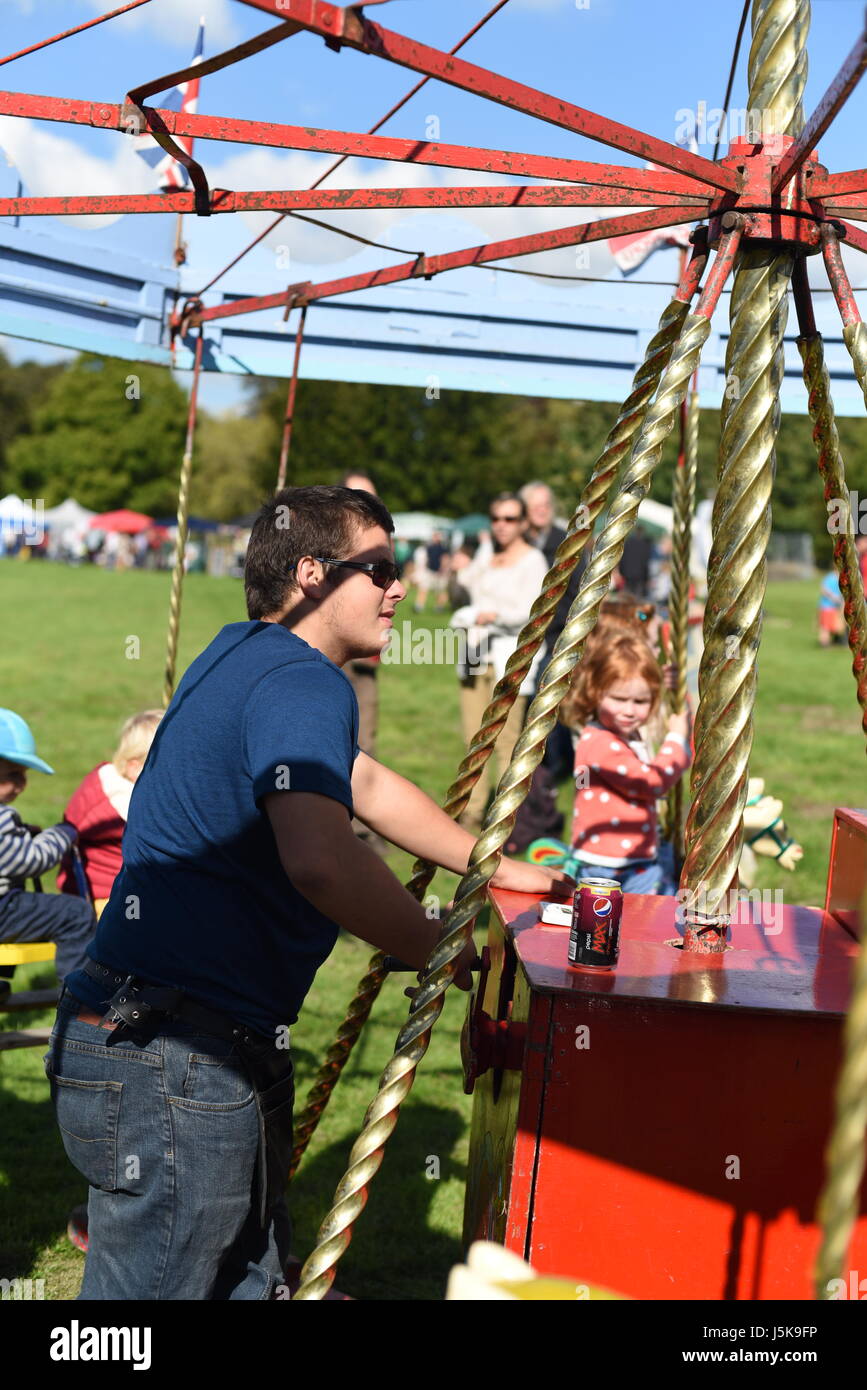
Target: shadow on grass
x=41 y=1185
x=397 y=1251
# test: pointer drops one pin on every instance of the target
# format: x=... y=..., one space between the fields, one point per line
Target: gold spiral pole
x=592 y=500
x=366 y=994
x=855 y=338
x=845 y=1154
x=181 y=543
x=741 y=521
x=831 y=468
x=683 y=504
x=413 y=1039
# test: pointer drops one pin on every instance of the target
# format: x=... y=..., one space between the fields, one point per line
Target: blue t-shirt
x=830 y=593
x=202 y=901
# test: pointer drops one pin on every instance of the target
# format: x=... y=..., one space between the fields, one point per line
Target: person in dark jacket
x=547 y=536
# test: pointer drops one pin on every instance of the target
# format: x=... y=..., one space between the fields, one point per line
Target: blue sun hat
x=17 y=744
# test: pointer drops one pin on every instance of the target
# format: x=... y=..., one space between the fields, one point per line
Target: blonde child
x=99 y=808
x=614 y=694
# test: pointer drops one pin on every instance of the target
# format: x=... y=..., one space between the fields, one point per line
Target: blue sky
x=644 y=64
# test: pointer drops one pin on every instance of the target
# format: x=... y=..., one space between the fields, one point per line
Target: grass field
x=64 y=667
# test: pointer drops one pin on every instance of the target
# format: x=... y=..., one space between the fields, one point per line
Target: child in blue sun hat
x=26 y=851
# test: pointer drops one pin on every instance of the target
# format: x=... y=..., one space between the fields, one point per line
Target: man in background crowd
x=544 y=533
x=635 y=562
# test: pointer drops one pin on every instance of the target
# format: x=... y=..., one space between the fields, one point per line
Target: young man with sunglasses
x=170 y=1069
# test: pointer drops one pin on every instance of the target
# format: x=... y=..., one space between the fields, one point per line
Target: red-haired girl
x=614 y=829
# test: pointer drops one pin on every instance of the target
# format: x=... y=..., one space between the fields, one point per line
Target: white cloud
x=53 y=165
x=177 y=21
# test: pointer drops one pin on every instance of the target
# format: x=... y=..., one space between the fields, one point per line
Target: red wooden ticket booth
x=660 y=1130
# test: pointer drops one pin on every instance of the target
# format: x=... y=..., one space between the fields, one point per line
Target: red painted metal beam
x=348 y=26
x=834 y=99
x=840 y=185
x=854 y=236
x=839 y=280
x=424 y=267
x=734 y=224
x=67 y=33
x=201 y=127
x=224 y=200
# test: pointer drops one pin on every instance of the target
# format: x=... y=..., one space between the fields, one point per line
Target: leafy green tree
x=231 y=459
x=107 y=432
x=21 y=388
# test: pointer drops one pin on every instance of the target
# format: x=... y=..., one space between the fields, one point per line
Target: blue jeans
x=644 y=876
x=165 y=1129
x=58 y=917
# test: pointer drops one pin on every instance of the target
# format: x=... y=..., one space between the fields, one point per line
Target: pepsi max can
x=594 y=940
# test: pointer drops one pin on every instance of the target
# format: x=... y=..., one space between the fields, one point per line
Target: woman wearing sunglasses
x=502 y=584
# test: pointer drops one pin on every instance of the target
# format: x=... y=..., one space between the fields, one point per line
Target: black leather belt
x=136 y=1001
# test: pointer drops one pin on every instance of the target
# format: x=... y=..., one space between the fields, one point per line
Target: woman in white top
x=503 y=584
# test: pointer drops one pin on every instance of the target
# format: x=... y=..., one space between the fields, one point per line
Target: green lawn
x=63 y=666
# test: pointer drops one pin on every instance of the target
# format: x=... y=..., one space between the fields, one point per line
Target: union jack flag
x=172 y=176
x=632 y=250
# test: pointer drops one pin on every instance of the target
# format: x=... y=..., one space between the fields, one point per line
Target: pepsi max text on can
x=594 y=940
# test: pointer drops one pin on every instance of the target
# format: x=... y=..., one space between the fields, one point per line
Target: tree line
x=111 y=434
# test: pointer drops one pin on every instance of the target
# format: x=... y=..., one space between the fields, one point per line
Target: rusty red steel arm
x=348 y=143
x=428 y=266
x=854 y=236
x=224 y=200
x=349 y=27
x=839 y=280
x=734 y=225
x=834 y=99
x=842 y=185
x=67 y=33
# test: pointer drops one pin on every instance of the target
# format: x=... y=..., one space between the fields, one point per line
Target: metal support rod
x=189 y=125
x=683 y=506
x=67 y=33
x=286 y=442
x=428 y=266
x=208 y=202
x=737 y=570
x=413 y=1039
x=593 y=498
x=183 y=519
x=836 y=492
x=846 y=1151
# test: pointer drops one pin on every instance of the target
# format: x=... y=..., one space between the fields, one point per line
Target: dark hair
x=510 y=497
x=303 y=521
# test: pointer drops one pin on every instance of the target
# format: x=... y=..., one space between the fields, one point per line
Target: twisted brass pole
x=591 y=502
x=678 y=604
x=855 y=338
x=845 y=1154
x=742 y=512
x=413 y=1039
x=181 y=543
x=831 y=468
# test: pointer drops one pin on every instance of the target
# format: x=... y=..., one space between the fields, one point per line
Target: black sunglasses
x=383 y=573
